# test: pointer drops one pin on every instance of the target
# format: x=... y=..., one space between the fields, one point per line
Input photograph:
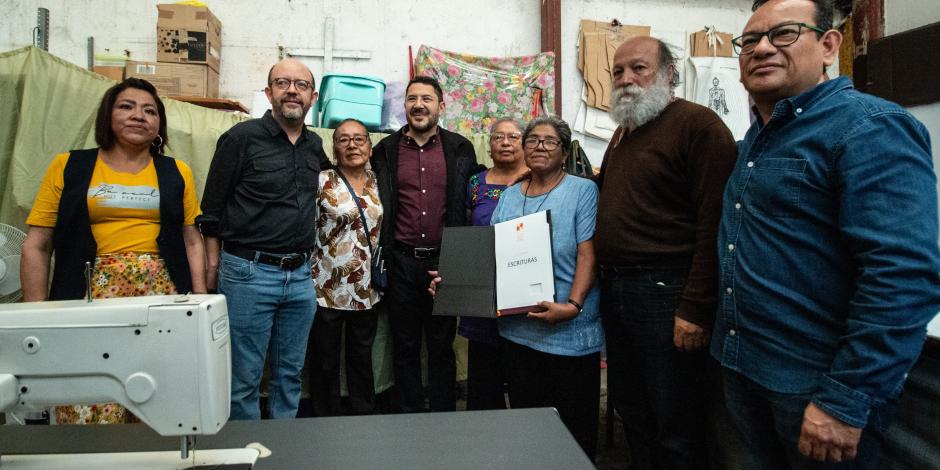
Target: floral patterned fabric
x=118 y=275
x=480 y=90
x=342 y=272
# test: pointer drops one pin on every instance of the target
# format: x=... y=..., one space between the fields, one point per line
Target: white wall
x=900 y=16
x=252 y=31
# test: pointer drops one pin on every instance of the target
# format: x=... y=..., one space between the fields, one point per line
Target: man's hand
x=827 y=439
x=435 y=280
x=688 y=336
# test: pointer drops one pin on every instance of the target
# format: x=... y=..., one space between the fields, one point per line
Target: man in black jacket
x=422 y=171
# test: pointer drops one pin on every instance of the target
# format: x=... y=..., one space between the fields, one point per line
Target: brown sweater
x=660 y=200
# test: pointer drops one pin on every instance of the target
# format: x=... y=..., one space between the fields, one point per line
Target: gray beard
x=632 y=106
x=290 y=114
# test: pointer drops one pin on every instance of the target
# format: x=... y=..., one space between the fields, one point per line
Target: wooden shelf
x=221 y=104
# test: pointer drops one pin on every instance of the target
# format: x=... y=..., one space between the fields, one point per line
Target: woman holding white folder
x=551 y=356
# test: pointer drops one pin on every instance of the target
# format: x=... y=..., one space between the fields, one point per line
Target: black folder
x=468 y=267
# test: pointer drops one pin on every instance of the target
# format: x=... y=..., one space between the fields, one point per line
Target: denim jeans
x=657 y=390
x=269 y=309
x=769 y=426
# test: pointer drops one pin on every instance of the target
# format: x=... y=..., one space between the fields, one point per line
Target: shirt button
x=422 y=168
x=732 y=332
x=424 y=191
x=729 y=290
x=731 y=247
x=424 y=213
x=422 y=235
x=799 y=110
x=737 y=205
x=421 y=150
x=750 y=164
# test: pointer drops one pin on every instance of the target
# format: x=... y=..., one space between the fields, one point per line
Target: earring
x=158 y=142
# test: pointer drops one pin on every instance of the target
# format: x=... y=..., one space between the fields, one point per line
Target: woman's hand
x=435 y=280
x=552 y=312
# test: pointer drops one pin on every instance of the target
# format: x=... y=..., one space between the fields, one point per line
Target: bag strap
x=362 y=214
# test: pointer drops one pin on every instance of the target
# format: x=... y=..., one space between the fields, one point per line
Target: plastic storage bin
x=349 y=96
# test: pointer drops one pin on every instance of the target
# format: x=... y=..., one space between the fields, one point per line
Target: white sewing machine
x=166 y=359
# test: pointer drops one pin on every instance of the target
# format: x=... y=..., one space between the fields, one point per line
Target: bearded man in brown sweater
x=661 y=185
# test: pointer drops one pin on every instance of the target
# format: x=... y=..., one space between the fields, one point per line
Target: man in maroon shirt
x=422 y=171
x=661 y=185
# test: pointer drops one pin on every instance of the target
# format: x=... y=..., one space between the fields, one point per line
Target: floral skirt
x=118 y=275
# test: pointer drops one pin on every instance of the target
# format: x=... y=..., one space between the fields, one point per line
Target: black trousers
x=658 y=390
x=409 y=313
x=485 y=377
x=571 y=384
x=324 y=359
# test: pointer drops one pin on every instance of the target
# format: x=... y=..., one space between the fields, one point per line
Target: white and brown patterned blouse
x=341 y=273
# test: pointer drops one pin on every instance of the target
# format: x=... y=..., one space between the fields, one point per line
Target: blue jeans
x=658 y=390
x=769 y=426
x=269 y=309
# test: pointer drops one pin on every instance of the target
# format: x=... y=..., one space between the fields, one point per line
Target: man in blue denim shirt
x=827 y=251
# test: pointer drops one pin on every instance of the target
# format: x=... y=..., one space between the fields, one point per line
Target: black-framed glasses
x=779 y=36
x=512 y=137
x=284 y=83
x=359 y=140
x=548 y=143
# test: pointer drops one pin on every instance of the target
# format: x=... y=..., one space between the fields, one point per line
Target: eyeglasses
x=284 y=83
x=780 y=36
x=512 y=137
x=548 y=143
x=357 y=140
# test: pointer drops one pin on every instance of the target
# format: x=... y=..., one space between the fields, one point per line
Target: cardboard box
x=177 y=79
x=188 y=34
x=113 y=72
x=700 y=47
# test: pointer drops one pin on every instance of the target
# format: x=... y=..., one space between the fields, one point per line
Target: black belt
x=419 y=252
x=288 y=262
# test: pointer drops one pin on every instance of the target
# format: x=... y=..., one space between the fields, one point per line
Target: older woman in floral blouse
x=342 y=276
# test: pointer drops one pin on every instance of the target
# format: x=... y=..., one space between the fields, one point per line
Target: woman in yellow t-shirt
x=122 y=213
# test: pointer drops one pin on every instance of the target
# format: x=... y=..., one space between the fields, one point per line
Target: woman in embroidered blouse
x=342 y=276
x=485 y=376
x=123 y=209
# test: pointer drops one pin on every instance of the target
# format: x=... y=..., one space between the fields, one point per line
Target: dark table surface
x=511 y=439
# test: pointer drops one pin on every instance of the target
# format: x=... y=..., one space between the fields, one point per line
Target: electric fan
x=11 y=245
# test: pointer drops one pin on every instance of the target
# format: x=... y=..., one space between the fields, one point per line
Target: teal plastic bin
x=349 y=96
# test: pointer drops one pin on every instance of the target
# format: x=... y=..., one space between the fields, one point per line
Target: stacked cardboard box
x=177 y=79
x=189 y=52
